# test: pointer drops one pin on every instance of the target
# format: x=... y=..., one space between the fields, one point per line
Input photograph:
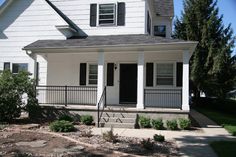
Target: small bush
x=147 y=144
x=86 y=119
x=157 y=124
x=66 y=118
x=109 y=136
x=144 y=122
x=87 y=133
x=172 y=124
x=184 y=123
x=159 y=138
x=61 y=126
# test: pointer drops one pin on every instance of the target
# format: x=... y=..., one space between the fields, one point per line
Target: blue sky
x=226 y=7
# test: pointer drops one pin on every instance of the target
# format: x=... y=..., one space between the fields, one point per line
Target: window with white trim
x=165 y=74
x=93 y=74
x=107 y=14
x=17 y=67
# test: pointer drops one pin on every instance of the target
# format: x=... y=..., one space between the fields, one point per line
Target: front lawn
x=224 y=148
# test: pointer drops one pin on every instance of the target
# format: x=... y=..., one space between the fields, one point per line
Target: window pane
x=164 y=74
x=93 y=71
x=107 y=14
x=7 y=65
x=160 y=31
x=16 y=67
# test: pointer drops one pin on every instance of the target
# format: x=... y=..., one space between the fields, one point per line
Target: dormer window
x=108 y=14
x=160 y=30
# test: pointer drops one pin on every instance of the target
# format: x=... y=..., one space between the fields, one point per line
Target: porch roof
x=106 y=41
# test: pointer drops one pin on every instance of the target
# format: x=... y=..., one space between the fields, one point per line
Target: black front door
x=128 y=83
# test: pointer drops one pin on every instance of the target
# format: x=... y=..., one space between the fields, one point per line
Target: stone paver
x=191 y=143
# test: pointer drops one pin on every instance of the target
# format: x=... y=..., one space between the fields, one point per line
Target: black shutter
x=149 y=74
x=179 y=74
x=7 y=66
x=121 y=14
x=110 y=74
x=37 y=73
x=148 y=23
x=93 y=15
x=82 y=73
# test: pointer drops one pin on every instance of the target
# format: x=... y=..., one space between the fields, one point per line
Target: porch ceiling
x=113 y=43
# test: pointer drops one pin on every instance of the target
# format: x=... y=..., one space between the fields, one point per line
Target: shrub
x=86 y=119
x=147 y=144
x=86 y=133
x=184 y=123
x=61 y=126
x=66 y=118
x=144 y=122
x=159 y=138
x=109 y=136
x=172 y=124
x=157 y=124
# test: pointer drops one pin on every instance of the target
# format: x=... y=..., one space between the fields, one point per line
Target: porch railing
x=64 y=95
x=163 y=98
x=101 y=105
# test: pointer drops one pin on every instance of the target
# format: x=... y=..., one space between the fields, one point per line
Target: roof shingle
x=164 y=7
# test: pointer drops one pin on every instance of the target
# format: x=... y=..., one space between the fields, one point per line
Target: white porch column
x=100 y=81
x=185 y=88
x=140 y=81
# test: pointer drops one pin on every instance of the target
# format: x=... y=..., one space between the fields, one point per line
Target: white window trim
x=155 y=73
x=87 y=73
x=115 y=16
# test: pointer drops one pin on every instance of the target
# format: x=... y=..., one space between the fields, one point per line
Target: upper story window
x=160 y=31
x=109 y=14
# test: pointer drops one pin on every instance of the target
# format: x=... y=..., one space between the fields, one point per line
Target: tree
x=211 y=65
x=12 y=88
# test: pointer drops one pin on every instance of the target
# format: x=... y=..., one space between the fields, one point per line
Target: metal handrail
x=102 y=99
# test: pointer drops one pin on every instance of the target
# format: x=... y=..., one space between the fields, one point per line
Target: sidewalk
x=191 y=143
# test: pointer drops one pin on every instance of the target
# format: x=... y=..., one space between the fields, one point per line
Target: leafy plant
x=184 y=123
x=159 y=138
x=86 y=119
x=66 y=118
x=109 y=136
x=144 y=122
x=172 y=124
x=61 y=126
x=158 y=124
x=147 y=144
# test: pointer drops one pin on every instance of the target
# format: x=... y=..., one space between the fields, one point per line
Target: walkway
x=191 y=143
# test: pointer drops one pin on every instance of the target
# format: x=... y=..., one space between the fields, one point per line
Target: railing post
x=105 y=102
x=98 y=115
x=65 y=95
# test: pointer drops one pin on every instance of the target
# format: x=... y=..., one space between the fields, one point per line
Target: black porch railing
x=101 y=105
x=163 y=98
x=64 y=95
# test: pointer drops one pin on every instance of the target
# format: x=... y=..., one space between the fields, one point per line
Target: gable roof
x=164 y=7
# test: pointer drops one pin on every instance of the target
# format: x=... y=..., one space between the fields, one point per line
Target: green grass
x=224 y=148
x=226 y=120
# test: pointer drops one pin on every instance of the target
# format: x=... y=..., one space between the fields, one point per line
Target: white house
x=98 y=52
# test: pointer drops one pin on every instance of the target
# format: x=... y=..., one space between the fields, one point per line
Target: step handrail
x=104 y=101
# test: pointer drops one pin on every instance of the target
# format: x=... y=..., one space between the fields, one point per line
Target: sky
x=226 y=8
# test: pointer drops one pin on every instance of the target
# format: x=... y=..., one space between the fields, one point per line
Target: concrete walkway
x=191 y=143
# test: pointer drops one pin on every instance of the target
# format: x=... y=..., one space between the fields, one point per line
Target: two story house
x=92 y=54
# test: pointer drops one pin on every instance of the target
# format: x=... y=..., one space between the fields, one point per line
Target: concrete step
x=119 y=115
x=117 y=120
x=118 y=125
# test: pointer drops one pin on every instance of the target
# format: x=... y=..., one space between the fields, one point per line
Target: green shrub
x=147 y=144
x=159 y=138
x=172 y=124
x=144 y=122
x=157 y=124
x=109 y=136
x=86 y=119
x=184 y=123
x=66 y=118
x=61 y=126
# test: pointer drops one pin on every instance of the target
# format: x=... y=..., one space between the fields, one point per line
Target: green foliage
x=147 y=144
x=172 y=124
x=159 y=138
x=66 y=118
x=61 y=126
x=144 y=122
x=224 y=148
x=109 y=136
x=184 y=123
x=157 y=124
x=12 y=88
x=86 y=119
x=213 y=59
